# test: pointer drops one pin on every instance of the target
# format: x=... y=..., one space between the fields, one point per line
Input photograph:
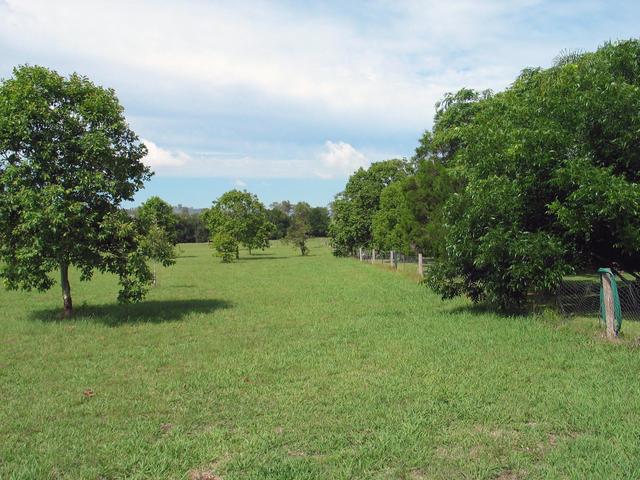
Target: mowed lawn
x=283 y=367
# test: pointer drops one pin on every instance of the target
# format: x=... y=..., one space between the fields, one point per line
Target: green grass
x=282 y=367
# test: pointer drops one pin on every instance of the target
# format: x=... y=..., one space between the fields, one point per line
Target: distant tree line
x=511 y=191
x=191 y=227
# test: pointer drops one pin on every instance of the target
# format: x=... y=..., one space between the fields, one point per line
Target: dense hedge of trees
x=511 y=191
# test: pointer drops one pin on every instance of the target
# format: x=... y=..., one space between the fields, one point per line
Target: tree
x=319 y=221
x=243 y=217
x=425 y=193
x=225 y=245
x=300 y=229
x=280 y=219
x=158 y=224
x=387 y=227
x=552 y=166
x=68 y=160
x=156 y=211
x=453 y=113
x=354 y=208
x=190 y=228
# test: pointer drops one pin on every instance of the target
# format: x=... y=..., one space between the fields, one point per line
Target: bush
x=226 y=246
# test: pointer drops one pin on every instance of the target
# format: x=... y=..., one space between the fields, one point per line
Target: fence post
x=360 y=253
x=391 y=259
x=420 y=265
x=373 y=255
x=610 y=312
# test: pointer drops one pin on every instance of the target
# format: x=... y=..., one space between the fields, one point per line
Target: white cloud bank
x=276 y=79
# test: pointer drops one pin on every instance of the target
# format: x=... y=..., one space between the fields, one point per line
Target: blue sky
x=287 y=98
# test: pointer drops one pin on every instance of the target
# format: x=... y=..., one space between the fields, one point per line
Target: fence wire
x=581 y=297
x=398 y=261
x=578 y=296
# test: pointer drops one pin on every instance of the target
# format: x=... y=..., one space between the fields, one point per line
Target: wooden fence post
x=360 y=253
x=391 y=259
x=373 y=255
x=420 y=265
x=608 y=310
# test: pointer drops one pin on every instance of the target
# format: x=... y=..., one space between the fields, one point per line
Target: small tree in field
x=300 y=229
x=225 y=246
x=158 y=224
x=243 y=217
x=68 y=159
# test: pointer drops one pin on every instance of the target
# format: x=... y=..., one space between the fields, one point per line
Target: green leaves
x=354 y=208
x=551 y=167
x=241 y=216
x=67 y=161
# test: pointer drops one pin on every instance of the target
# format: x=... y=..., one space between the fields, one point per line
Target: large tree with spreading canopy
x=68 y=160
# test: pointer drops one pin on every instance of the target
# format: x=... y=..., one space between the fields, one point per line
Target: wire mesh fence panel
x=629 y=293
x=581 y=296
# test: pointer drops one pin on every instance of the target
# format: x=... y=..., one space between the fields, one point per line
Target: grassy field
x=283 y=367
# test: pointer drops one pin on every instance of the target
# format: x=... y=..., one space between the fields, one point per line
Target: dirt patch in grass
x=203 y=475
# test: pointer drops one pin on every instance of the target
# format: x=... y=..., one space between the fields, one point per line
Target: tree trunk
x=237 y=253
x=66 y=290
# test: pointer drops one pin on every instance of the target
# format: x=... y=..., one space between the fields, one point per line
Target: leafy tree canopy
x=156 y=211
x=68 y=159
x=552 y=167
x=319 y=221
x=158 y=225
x=242 y=216
x=300 y=229
x=354 y=208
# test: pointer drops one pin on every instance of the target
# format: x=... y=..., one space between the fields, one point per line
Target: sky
x=287 y=98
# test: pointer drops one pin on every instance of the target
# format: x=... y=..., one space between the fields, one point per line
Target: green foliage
x=319 y=221
x=552 y=167
x=158 y=225
x=300 y=229
x=68 y=159
x=225 y=245
x=426 y=193
x=156 y=211
x=243 y=217
x=386 y=226
x=190 y=228
x=453 y=113
x=279 y=215
x=354 y=208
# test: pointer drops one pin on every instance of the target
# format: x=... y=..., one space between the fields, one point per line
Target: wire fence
x=395 y=260
x=580 y=296
x=575 y=296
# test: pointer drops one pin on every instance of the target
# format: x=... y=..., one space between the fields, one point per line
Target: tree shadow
x=153 y=311
x=262 y=258
x=485 y=309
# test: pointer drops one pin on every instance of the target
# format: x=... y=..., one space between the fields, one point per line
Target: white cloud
x=339 y=159
x=270 y=81
x=240 y=183
x=158 y=157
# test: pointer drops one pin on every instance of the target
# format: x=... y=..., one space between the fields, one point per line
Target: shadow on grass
x=153 y=311
x=485 y=309
x=262 y=257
